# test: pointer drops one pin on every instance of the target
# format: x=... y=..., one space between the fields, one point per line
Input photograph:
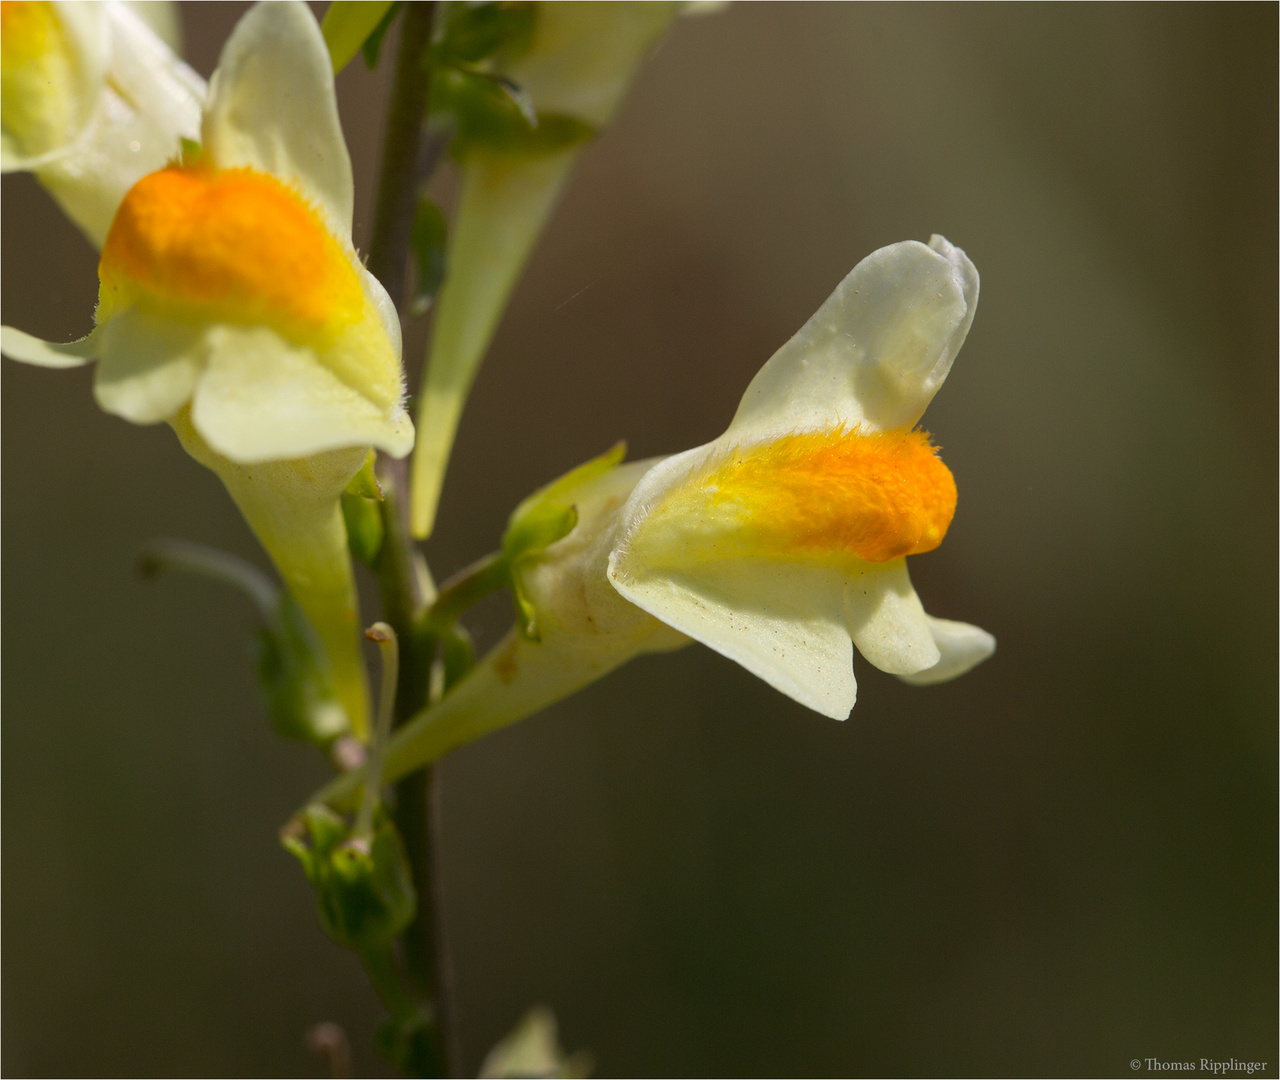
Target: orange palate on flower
x=873 y=495
x=233 y=245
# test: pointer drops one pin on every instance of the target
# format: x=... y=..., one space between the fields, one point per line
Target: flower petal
x=147 y=74
x=875 y=353
x=272 y=108
x=886 y=620
x=148 y=366
x=782 y=623
x=150 y=102
x=18 y=345
x=962 y=647
x=58 y=101
x=161 y=17
x=264 y=398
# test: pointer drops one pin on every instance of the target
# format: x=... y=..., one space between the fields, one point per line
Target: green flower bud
x=364 y=887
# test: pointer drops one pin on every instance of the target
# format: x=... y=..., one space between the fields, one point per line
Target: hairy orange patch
x=234 y=245
x=873 y=495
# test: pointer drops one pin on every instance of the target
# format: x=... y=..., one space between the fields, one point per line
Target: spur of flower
x=91 y=100
x=233 y=306
x=782 y=544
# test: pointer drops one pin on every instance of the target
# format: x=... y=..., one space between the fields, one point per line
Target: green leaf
x=349 y=24
x=474 y=32
x=292 y=665
x=539 y=521
x=365 y=482
x=458 y=655
x=492 y=114
x=428 y=239
x=373 y=43
x=540 y=527
x=364 y=886
x=294 y=673
x=562 y=489
x=365 y=529
x=529 y=534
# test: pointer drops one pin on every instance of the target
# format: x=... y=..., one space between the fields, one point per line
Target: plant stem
x=465 y=588
x=423 y=954
x=402 y=152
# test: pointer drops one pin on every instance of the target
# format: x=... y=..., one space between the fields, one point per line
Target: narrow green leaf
x=561 y=490
x=537 y=529
x=494 y=114
x=428 y=240
x=365 y=482
x=365 y=529
x=475 y=32
x=348 y=24
x=520 y=98
x=373 y=43
x=295 y=675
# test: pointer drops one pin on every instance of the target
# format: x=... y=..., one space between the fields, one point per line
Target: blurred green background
x=1063 y=861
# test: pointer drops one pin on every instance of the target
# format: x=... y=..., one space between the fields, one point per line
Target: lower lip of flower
x=231 y=245
x=822 y=495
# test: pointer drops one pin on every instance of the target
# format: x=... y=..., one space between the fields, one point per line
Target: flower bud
x=364 y=885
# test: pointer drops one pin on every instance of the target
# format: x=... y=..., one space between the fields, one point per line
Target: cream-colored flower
x=91 y=100
x=233 y=306
x=781 y=544
x=577 y=67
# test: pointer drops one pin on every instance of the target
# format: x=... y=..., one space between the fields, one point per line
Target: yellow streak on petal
x=823 y=495
x=37 y=76
x=230 y=245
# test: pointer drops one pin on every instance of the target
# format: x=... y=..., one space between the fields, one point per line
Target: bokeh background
x=1064 y=861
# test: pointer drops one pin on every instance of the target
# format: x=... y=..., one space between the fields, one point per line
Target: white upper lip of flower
x=872 y=356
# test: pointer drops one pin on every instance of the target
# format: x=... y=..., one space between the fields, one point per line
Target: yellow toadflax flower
x=781 y=544
x=233 y=306
x=91 y=100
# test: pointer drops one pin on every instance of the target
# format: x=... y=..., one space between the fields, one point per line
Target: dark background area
x=1063 y=861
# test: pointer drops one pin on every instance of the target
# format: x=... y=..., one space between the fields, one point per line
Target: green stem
x=380 y=966
x=422 y=945
x=465 y=588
